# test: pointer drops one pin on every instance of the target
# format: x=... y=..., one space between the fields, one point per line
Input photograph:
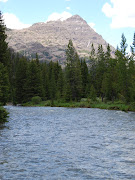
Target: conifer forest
x=100 y=76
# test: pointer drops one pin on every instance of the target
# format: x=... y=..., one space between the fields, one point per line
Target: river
x=50 y=143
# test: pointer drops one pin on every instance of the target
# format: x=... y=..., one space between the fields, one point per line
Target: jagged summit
x=50 y=39
x=76 y=18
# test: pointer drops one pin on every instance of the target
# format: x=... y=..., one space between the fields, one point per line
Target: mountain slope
x=50 y=39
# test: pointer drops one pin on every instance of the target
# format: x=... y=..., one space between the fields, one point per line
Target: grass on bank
x=85 y=103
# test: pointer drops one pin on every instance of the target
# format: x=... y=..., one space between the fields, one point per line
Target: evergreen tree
x=13 y=61
x=123 y=44
x=109 y=83
x=131 y=72
x=60 y=85
x=133 y=47
x=92 y=93
x=52 y=88
x=84 y=73
x=100 y=69
x=92 y=53
x=123 y=78
x=4 y=79
x=21 y=77
x=92 y=69
x=45 y=81
x=73 y=73
x=3 y=43
x=108 y=52
x=4 y=85
x=37 y=59
x=33 y=83
x=107 y=55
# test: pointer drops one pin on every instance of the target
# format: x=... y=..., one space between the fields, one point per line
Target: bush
x=122 y=98
x=83 y=100
x=3 y=115
x=36 y=100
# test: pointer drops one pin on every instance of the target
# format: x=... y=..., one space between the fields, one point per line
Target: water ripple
x=44 y=143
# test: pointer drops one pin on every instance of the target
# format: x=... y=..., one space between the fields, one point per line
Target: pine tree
x=123 y=78
x=4 y=79
x=84 y=73
x=37 y=59
x=108 y=52
x=3 y=43
x=92 y=93
x=123 y=44
x=4 y=85
x=92 y=69
x=133 y=47
x=107 y=55
x=100 y=69
x=60 y=85
x=92 y=53
x=109 y=83
x=21 y=77
x=73 y=73
x=131 y=72
x=45 y=81
x=52 y=88
x=33 y=83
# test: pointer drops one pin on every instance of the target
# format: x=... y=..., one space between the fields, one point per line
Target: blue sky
x=109 y=18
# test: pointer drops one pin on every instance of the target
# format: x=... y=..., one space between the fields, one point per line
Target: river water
x=45 y=143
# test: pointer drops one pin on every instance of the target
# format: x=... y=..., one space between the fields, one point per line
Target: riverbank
x=3 y=115
x=84 y=103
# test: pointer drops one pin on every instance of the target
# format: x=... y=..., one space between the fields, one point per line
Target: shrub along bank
x=85 y=103
x=3 y=115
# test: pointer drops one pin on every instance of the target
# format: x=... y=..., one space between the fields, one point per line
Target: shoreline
x=86 y=104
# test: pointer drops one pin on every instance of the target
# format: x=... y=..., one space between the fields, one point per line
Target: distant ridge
x=50 y=39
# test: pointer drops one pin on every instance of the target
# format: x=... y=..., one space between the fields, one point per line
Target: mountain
x=50 y=39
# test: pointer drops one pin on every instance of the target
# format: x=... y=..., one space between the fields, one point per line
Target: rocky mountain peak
x=76 y=18
x=50 y=39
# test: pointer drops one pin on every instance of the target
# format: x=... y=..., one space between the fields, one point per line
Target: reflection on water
x=67 y=143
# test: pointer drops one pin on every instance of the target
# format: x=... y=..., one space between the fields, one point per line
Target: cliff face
x=50 y=39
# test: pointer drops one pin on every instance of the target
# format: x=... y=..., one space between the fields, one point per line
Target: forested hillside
x=111 y=79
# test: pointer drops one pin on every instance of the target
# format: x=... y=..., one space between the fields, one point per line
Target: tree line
x=103 y=76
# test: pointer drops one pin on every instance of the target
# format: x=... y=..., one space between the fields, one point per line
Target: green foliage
x=4 y=85
x=45 y=80
x=92 y=53
x=111 y=79
x=92 y=93
x=33 y=83
x=21 y=77
x=73 y=74
x=3 y=43
x=3 y=115
x=4 y=79
x=36 y=100
x=84 y=73
x=123 y=44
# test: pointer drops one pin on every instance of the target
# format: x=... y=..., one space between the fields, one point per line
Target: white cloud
x=68 y=8
x=12 y=22
x=122 y=13
x=92 y=25
x=59 y=16
x=3 y=0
